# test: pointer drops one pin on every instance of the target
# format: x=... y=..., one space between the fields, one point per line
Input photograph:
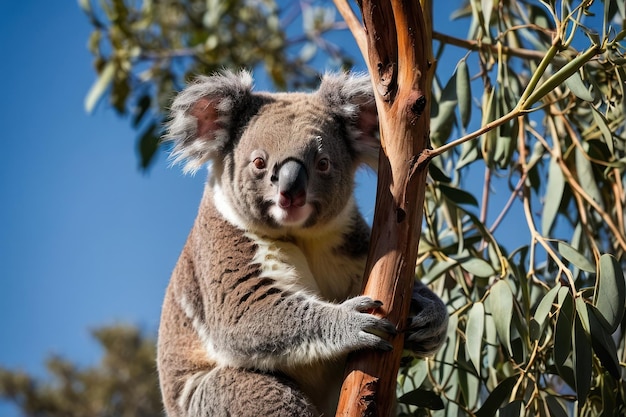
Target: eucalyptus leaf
x=474 y=331
x=422 y=398
x=603 y=125
x=575 y=257
x=563 y=329
x=586 y=175
x=603 y=344
x=581 y=360
x=500 y=301
x=464 y=92
x=553 y=196
x=457 y=195
x=98 y=89
x=578 y=88
x=477 y=267
x=610 y=292
x=555 y=407
x=442 y=112
x=538 y=322
x=495 y=399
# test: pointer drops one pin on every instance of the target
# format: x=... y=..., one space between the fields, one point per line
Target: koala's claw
x=427 y=326
x=362 y=304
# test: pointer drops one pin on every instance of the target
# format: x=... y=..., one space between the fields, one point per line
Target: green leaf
x=464 y=92
x=501 y=308
x=578 y=88
x=603 y=125
x=100 y=86
x=553 y=196
x=422 y=398
x=563 y=329
x=474 y=334
x=581 y=360
x=575 y=257
x=477 y=267
x=610 y=292
x=584 y=171
x=495 y=399
x=439 y=268
x=148 y=145
x=513 y=409
x=437 y=174
x=458 y=196
x=555 y=407
x=86 y=6
x=602 y=343
x=442 y=112
x=538 y=322
x=469 y=154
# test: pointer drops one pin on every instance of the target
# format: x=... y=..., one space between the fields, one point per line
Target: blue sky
x=86 y=238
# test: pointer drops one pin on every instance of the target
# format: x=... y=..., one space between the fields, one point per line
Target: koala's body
x=262 y=307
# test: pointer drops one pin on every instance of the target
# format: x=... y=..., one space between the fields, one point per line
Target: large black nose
x=292 y=182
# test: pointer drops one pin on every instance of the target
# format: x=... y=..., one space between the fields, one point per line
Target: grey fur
x=262 y=307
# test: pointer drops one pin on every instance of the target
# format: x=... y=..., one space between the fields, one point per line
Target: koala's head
x=283 y=161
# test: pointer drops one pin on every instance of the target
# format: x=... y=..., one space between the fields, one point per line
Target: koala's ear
x=350 y=96
x=202 y=116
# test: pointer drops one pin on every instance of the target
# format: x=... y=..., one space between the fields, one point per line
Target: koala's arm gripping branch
x=399 y=58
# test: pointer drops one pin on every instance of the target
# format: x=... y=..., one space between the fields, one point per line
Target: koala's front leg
x=285 y=330
x=428 y=322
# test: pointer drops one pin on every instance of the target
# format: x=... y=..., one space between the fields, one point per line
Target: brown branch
x=473 y=45
x=399 y=58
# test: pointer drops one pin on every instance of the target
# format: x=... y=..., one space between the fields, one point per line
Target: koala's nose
x=292 y=182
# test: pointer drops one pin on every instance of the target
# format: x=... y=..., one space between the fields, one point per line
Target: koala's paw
x=428 y=323
x=362 y=329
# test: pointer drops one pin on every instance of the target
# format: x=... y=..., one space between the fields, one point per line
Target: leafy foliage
x=537 y=330
x=146 y=50
x=524 y=234
x=124 y=384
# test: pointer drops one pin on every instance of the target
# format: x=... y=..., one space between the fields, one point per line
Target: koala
x=263 y=306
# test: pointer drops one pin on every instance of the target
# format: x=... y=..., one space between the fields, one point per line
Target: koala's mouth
x=291 y=216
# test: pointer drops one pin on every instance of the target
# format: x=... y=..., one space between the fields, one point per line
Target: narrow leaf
x=100 y=86
x=586 y=175
x=464 y=92
x=603 y=344
x=603 y=125
x=555 y=407
x=578 y=88
x=500 y=394
x=554 y=193
x=474 y=334
x=422 y=398
x=477 y=267
x=581 y=361
x=501 y=308
x=563 y=330
x=537 y=324
x=575 y=257
x=442 y=112
x=610 y=292
x=457 y=195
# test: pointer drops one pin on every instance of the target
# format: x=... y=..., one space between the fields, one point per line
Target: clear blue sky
x=86 y=238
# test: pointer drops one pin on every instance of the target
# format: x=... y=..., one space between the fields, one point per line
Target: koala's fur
x=262 y=309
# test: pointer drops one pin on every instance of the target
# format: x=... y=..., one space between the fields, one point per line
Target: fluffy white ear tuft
x=202 y=116
x=351 y=97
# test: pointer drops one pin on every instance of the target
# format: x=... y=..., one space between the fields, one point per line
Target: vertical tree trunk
x=398 y=47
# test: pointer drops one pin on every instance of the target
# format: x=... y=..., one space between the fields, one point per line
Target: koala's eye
x=259 y=163
x=323 y=165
